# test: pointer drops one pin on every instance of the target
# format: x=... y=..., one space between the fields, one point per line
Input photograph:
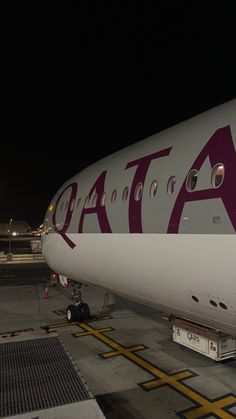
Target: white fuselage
x=156 y=221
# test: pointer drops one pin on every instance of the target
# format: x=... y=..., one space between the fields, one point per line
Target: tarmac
x=125 y=353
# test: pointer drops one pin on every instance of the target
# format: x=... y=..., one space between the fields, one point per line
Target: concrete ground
x=126 y=356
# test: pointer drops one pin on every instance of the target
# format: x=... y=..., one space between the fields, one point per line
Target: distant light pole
x=9 y=241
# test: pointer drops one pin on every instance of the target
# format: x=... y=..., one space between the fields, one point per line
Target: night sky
x=102 y=76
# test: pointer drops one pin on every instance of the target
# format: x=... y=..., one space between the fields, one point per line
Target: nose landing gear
x=79 y=311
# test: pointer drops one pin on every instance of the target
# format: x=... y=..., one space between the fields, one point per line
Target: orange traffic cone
x=45 y=291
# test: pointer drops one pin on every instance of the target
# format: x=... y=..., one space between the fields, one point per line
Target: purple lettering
x=100 y=210
x=69 y=213
x=219 y=149
x=135 y=218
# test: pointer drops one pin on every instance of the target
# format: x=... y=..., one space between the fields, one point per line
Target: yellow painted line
x=207 y=407
x=105 y=329
x=116 y=353
x=101 y=318
x=66 y=324
x=204 y=411
x=225 y=402
x=57 y=325
x=158 y=383
x=136 y=348
x=110 y=354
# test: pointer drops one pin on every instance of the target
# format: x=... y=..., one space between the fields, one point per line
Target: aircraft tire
x=85 y=311
x=72 y=313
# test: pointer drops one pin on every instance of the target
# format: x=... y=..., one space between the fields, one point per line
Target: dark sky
x=102 y=76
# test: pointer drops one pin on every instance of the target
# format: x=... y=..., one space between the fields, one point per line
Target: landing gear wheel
x=72 y=313
x=79 y=311
x=85 y=311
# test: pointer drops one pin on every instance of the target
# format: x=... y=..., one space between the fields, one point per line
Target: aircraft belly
x=190 y=275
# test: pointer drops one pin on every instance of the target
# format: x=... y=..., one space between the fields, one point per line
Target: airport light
x=9 y=232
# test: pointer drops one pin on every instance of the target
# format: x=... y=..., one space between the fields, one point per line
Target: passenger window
x=94 y=202
x=138 y=192
x=72 y=205
x=113 y=196
x=103 y=199
x=171 y=185
x=125 y=193
x=86 y=202
x=153 y=188
x=191 y=181
x=217 y=176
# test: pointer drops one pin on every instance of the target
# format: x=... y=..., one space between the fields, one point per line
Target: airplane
x=155 y=223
